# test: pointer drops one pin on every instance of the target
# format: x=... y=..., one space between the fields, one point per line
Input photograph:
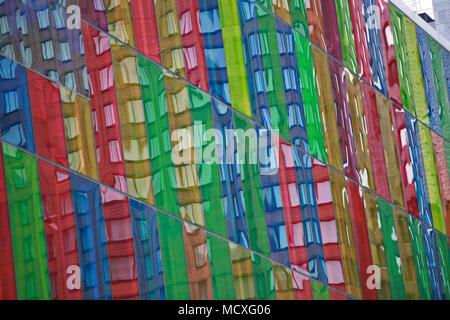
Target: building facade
x=222 y=149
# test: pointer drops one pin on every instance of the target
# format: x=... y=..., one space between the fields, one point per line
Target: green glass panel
x=415 y=69
x=173 y=258
x=441 y=88
x=444 y=261
x=437 y=211
x=406 y=255
x=221 y=271
x=346 y=35
x=398 y=32
x=207 y=160
x=298 y=16
x=273 y=73
x=183 y=152
x=420 y=259
x=266 y=3
x=391 y=249
x=234 y=56
x=310 y=98
x=160 y=147
x=251 y=185
x=264 y=278
x=320 y=292
x=27 y=225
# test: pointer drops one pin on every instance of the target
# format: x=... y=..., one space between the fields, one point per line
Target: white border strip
x=421 y=23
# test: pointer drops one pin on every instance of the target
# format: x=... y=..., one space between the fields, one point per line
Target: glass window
x=106 y=78
x=69 y=81
x=11 y=101
x=58 y=17
x=171 y=23
x=186 y=23
x=47 y=50
x=43 y=18
x=115 y=154
x=210 y=21
x=65 y=51
x=4 y=26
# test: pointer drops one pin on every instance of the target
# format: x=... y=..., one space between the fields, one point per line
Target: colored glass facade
x=100 y=99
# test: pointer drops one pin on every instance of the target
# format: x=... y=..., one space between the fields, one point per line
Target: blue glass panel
x=375 y=49
x=214 y=53
x=230 y=175
x=15 y=110
x=254 y=62
x=147 y=251
x=433 y=263
x=428 y=80
x=423 y=198
x=273 y=203
x=296 y=116
x=69 y=50
x=91 y=236
x=39 y=47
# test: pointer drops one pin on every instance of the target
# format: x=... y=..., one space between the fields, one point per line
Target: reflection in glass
x=15 y=108
x=27 y=225
x=59 y=220
x=149 y=266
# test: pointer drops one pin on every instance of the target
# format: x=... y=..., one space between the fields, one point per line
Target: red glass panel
x=361 y=236
x=197 y=263
x=145 y=29
x=104 y=108
x=315 y=22
x=346 y=141
x=191 y=37
x=120 y=245
x=375 y=142
x=362 y=48
x=331 y=29
x=388 y=49
x=328 y=227
x=47 y=119
x=293 y=220
x=59 y=220
x=404 y=155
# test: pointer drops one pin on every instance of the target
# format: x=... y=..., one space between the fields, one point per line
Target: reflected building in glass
x=127 y=135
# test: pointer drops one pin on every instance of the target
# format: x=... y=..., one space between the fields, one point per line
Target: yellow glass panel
x=79 y=133
x=132 y=123
x=327 y=111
